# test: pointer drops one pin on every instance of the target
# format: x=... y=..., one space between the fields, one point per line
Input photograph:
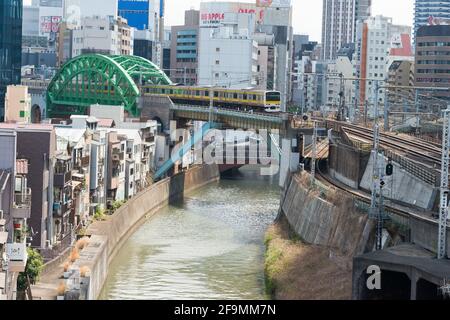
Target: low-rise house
x=15 y=210
x=116 y=167
x=36 y=143
x=63 y=204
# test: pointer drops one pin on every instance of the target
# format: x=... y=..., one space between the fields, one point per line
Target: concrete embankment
x=107 y=237
x=314 y=259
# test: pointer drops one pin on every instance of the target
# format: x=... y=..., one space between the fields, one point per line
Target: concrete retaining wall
x=320 y=222
x=425 y=234
x=408 y=188
x=107 y=237
x=347 y=165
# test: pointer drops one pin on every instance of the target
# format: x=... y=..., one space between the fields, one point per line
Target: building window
x=217 y=62
x=217 y=49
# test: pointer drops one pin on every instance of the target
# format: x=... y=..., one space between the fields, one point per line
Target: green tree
x=33 y=269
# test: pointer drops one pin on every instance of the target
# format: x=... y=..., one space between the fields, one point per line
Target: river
x=210 y=246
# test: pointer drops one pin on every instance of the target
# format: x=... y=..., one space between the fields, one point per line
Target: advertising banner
x=213 y=13
x=50 y=24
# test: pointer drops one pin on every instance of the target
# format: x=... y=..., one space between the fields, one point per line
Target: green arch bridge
x=100 y=79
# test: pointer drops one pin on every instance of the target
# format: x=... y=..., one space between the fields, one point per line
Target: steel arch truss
x=100 y=79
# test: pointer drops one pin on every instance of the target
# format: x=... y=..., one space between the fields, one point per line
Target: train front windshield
x=273 y=97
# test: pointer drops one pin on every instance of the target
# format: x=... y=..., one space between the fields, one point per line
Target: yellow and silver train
x=256 y=100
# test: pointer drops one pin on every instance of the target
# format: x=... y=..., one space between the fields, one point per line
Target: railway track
x=391 y=205
x=419 y=149
x=408 y=147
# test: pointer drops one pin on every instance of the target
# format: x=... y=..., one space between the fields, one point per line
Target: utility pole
x=375 y=105
x=416 y=101
x=314 y=155
x=376 y=205
x=386 y=110
x=342 y=112
x=377 y=199
x=366 y=107
x=211 y=99
x=443 y=208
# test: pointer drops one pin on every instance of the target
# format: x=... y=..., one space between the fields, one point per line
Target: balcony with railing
x=63 y=172
x=21 y=208
x=117 y=155
x=81 y=162
x=60 y=209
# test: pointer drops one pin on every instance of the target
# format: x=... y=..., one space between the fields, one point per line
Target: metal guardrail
x=224 y=112
x=414 y=168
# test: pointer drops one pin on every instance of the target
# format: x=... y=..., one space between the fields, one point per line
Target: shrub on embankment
x=296 y=271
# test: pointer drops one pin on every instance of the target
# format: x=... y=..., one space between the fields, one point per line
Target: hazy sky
x=307 y=13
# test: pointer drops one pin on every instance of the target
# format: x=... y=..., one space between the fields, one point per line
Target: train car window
x=273 y=96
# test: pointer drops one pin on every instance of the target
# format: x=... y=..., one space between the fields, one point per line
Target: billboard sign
x=50 y=24
x=213 y=13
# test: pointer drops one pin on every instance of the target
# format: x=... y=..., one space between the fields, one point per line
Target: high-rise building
x=184 y=49
x=339 y=23
x=10 y=46
x=432 y=67
x=144 y=15
x=424 y=9
x=378 y=44
x=136 y=12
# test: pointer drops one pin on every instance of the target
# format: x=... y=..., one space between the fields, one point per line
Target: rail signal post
x=443 y=209
x=376 y=206
x=314 y=155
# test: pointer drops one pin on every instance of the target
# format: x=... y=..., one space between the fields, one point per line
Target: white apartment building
x=103 y=35
x=228 y=56
x=271 y=29
x=375 y=38
x=342 y=66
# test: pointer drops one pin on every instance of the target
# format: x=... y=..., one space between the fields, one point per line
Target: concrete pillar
x=414 y=279
x=358 y=279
